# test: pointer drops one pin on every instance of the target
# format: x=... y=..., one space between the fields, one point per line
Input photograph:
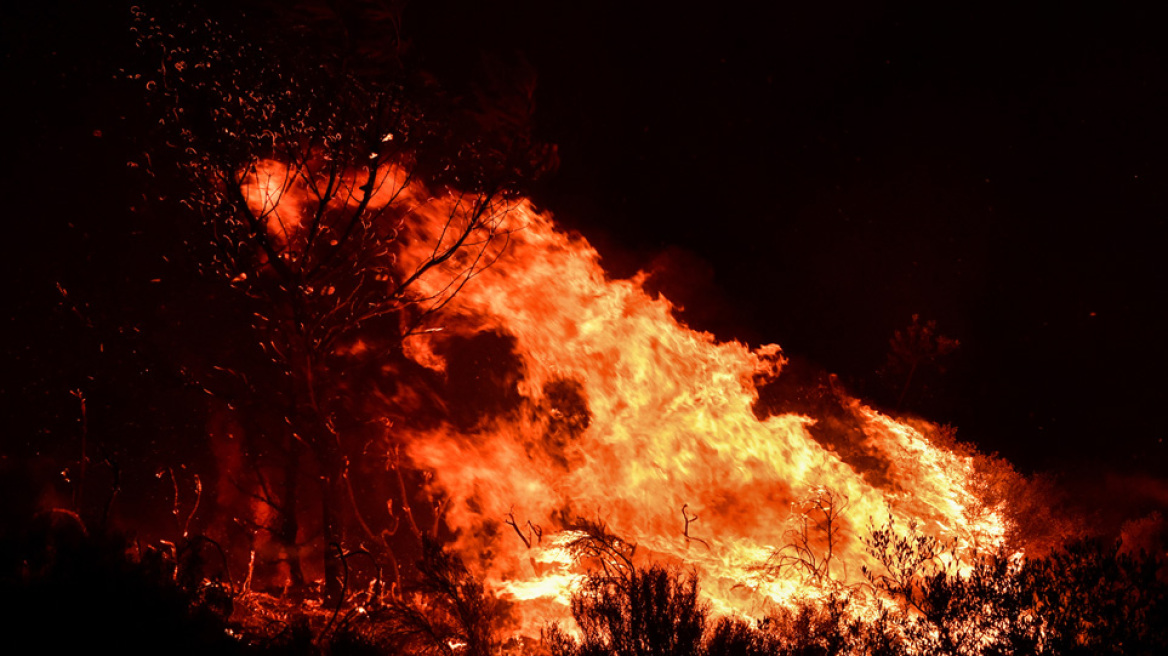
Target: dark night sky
x=809 y=175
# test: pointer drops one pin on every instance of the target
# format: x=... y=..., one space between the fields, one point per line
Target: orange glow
x=265 y=187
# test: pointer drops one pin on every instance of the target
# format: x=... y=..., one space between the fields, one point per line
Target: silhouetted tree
x=913 y=346
x=294 y=140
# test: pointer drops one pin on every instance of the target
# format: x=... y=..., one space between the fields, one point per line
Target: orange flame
x=634 y=419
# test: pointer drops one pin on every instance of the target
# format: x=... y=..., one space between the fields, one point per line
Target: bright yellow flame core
x=671 y=426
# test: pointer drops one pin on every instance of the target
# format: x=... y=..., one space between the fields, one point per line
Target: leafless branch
x=79 y=491
x=596 y=543
x=195 y=509
x=689 y=519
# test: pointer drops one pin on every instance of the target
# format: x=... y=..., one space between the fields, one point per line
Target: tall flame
x=633 y=419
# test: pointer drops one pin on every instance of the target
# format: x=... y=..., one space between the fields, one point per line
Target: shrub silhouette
x=1085 y=598
x=653 y=611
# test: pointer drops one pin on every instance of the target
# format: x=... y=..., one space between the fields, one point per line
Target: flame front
x=633 y=419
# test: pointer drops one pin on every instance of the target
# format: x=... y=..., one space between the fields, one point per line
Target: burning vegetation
x=445 y=429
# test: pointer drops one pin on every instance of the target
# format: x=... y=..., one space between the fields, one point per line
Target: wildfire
x=441 y=397
x=635 y=421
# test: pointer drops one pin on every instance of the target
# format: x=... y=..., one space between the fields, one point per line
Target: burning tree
x=296 y=152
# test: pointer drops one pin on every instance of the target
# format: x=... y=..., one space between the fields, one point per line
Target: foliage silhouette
x=1086 y=597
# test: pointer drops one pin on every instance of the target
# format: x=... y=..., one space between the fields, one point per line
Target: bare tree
x=300 y=170
x=815 y=533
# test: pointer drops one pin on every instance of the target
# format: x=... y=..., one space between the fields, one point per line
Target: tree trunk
x=331 y=464
x=289 y=527
x=331 y=503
